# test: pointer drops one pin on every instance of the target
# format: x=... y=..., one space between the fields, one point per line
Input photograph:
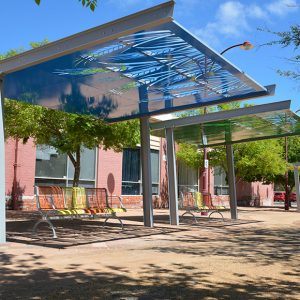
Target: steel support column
x=2 y=170
x=297 y=187
x=231 y=181
x=146 y=171
x=172 y=177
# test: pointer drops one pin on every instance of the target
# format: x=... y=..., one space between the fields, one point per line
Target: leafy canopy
x=92 y=4
x=254 y=161
x=68 y=133
x=290 y=38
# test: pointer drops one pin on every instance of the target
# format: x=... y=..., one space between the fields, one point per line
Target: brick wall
x=110 y=171
x=255 y=194
x=25 y=172
x=109 y=175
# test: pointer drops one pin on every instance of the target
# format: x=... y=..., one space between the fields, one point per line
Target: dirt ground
x=256 y=257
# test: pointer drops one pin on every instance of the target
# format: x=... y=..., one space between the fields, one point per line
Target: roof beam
x=223 y=115
x=270 y=89
x=142 y=20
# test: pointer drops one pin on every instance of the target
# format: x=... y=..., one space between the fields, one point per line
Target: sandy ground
x=257 y=257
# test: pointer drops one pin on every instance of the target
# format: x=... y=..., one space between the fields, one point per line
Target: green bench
x=58 y=203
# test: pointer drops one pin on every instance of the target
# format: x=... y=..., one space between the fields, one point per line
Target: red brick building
x=28 y=165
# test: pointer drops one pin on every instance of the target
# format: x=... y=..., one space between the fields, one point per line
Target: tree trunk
x=77 y=166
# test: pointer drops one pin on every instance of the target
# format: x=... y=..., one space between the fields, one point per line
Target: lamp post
x=244 y=46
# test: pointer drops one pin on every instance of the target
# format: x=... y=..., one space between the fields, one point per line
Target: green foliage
x=293 y=154
x=92 y=4
x=68 y=133
x=34 y=45
x=254 y=161
x=259 y=161
x=290 y=38
x=11 y=53
x=190 y=155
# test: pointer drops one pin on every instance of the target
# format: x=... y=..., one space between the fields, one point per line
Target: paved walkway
x=257 y=257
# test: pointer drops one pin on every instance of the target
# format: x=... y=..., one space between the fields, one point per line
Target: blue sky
x=218 y=23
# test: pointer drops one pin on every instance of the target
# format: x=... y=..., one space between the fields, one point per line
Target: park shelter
x=138 y=66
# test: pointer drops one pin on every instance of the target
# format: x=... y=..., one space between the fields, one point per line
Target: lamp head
x=246 y=46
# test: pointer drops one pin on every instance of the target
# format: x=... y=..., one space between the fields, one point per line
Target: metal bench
x=193 y=202
x=57 y=203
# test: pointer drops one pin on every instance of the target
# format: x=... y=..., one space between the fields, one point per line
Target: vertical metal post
x=297 y=187
x=2 y=169
x=172 y=177
x=231 y=181
x=146 y=172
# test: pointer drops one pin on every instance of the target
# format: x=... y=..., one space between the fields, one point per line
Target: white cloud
x=256 y=11
x=230 y=20
x=233 y=18
x=282 y=7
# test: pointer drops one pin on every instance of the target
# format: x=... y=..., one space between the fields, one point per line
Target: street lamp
x=244 y=46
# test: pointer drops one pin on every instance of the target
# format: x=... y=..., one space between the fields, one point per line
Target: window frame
x=67 y=181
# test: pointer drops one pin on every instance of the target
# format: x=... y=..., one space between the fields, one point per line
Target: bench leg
x=190 y=213
x=34 y=229
x=113 y=216
x=218 y=212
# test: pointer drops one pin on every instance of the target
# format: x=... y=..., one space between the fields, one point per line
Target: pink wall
x=26 y=155
x=256 y=192
x=110 y=171
x=243 y=191
x=263 y=192
x=109 y=175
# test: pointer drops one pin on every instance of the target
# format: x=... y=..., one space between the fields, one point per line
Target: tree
x=293 y=155
x=68 y=133
x=254 y=161
x=92 y=4
x=287 y=39
x=290 y=38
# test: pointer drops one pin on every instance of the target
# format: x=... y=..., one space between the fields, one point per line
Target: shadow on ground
x=78 y=232
x=37 y=281
x=255 y=245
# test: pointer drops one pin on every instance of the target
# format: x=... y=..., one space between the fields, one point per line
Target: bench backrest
x=97 y=197
x=50 y=197
x=55 y=197
x=79 y=198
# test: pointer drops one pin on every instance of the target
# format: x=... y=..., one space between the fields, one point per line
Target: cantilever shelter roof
x=143 y=64
x=228 y=127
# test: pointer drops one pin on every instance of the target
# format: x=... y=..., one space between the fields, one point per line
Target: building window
x=187 y=178
x=132 y=174
x=220 y=185
x=53 y=168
